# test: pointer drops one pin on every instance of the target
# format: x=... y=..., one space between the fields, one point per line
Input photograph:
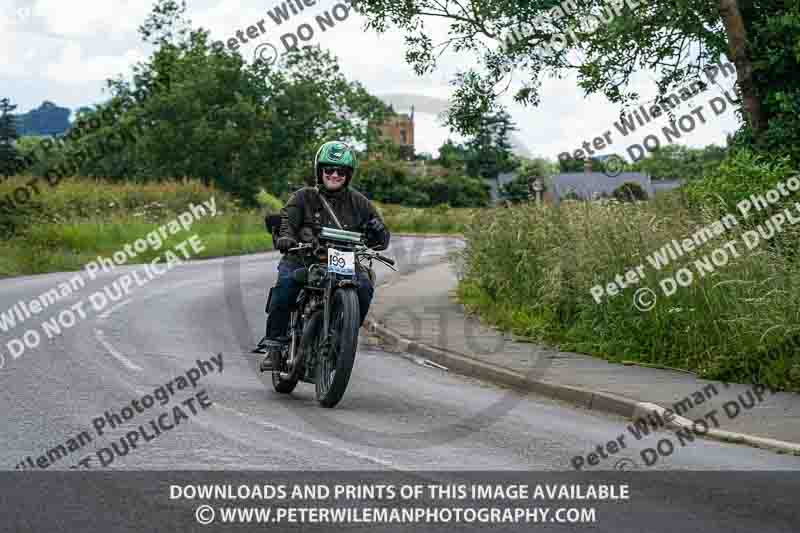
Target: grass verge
x=530 y=270
x=63 y=228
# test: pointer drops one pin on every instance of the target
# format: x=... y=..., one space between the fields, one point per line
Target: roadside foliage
x=530 y=269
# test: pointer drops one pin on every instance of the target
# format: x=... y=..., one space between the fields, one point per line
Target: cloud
x=118 y=19
x=66 y=50
x=73 y=67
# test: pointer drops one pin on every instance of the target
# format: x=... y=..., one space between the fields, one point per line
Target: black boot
x=262 y=346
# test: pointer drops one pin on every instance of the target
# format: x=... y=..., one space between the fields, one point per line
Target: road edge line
x=594 y=400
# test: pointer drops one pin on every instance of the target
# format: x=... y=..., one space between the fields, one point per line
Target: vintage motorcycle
x=324 y=322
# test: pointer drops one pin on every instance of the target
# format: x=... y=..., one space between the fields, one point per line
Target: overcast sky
x=63 y=50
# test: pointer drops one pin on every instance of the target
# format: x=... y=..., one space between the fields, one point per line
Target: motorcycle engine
x=316 y=275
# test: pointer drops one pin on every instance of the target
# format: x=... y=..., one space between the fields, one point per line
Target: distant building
x=587 y=185
x=399 y=129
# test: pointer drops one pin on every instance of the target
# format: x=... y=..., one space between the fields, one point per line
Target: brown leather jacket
x=305 y=208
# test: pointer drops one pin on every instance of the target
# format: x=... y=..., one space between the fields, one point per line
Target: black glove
x=376 y=232
x=284 y=243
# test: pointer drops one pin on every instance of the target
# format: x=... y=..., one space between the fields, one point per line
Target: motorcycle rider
x=330 y=203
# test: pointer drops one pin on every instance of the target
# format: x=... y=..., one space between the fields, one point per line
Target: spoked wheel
x=335 y=361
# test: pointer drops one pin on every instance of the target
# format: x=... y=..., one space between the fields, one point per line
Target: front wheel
x=335 y=361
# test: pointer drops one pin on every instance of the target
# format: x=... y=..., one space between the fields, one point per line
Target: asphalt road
x=397 y=414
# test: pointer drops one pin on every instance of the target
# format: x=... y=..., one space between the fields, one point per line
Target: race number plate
x=341 y=262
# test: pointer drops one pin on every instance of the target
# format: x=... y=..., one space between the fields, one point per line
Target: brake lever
x=382 y=258
x=388 y=265
x=303 y=246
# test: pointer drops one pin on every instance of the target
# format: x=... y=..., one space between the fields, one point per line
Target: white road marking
x=431 y=364
x=303 y=436
x=175 y=286
x=121 y=304
x=118 y=356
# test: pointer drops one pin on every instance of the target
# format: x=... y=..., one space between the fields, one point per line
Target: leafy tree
x=390 y=182
x=538 y=166
x=516 y=190
x=387 y=181
x=382 y=147
x=773 y=34
x=570 y=165
x=606 y=44
x=489 y=150
x=457 y=190
x=664 y=162
x=675 y=161
x=9 y=157
x=452 y=156
x=195 y=110
x=579 y=165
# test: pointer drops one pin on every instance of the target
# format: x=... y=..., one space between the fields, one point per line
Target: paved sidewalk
x=421 y=308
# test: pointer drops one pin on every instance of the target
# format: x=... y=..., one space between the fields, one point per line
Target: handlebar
x=303 y=246
x=388 y=260
x=385 y=259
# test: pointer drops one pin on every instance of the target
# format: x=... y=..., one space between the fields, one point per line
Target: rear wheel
x=335 y=362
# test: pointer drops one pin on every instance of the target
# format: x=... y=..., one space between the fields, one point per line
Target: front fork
x=293 y=340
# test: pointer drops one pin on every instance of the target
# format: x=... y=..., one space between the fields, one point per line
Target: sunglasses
x=339 y=171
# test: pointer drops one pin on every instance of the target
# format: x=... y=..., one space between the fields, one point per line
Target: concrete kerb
x=431 y=235
x=598 y=401
x=679 y=422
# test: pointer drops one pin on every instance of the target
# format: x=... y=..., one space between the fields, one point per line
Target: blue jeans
x=285 y=292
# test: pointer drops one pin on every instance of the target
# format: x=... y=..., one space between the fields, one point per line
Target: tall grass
x=439 y=219
x=530 y=270
x=64 y=227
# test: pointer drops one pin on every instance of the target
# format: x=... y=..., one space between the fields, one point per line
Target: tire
x=344 y=343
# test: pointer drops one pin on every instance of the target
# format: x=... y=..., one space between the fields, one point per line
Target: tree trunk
x=739 y=54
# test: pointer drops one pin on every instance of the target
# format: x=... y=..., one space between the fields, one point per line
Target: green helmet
x=335 y=154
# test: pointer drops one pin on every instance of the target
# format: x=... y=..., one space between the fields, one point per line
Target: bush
x=629 y=192
x=270 y=202
x=741 y=175
x=738 y=176
x=390 y=182
x=516 y=190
